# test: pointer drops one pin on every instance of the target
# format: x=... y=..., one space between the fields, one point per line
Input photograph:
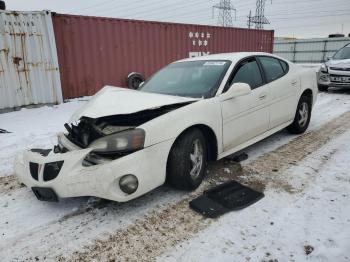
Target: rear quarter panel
x=308 y=80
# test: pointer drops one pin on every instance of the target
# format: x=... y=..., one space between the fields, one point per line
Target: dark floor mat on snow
x=229 y=196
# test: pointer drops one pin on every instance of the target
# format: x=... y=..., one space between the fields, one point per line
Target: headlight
x=130 y=140
x=324 y=68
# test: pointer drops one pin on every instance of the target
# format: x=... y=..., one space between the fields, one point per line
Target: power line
x=169 y=12
x=130 y=7
x=225 y=8
x=156 y=10
x=95 y=5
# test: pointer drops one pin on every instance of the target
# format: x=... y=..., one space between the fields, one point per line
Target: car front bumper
x=101 y=180
x=333 y=79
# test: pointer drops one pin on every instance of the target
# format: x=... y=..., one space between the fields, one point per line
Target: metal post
x=324 y=50
x=294 y=51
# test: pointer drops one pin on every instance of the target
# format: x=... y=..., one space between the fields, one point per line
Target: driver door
x=246 y=117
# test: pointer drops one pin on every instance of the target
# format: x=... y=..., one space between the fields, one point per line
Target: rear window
x=284 y=66
x=272 y=68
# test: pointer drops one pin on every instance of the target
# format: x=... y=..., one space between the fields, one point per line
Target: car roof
x=227 y=56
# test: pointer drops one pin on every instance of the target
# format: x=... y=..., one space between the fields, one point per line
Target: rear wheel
x=187 y=161
x=134 y=80
x=302 y=116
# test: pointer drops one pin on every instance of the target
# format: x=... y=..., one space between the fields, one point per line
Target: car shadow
x=217 y=172
x=339 y=90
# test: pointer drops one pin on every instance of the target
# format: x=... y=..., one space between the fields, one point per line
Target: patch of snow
x=227 y=170
x=312 y=225
x=32 y=128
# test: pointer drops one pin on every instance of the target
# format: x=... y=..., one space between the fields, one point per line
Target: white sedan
x=124 y=143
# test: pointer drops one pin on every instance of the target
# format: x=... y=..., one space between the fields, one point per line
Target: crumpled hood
x=339 y=63
x=120 y=101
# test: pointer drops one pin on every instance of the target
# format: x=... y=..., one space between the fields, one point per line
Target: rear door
x=247 y=116
x=283 y=86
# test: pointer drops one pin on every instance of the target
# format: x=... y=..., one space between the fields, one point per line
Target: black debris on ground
x=308 y=249
x=3 y=131
x=238 y=157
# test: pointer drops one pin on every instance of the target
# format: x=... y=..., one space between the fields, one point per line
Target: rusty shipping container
x=94 y=51
x=29 y=71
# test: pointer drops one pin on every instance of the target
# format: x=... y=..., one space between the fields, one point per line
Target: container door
x=28 y=60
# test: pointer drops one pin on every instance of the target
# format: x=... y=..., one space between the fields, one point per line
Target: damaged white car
x=124 y=143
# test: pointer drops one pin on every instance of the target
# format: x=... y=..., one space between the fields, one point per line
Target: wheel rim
x=196 y=158
x=303 y=114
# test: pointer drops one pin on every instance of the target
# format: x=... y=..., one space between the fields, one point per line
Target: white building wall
x=309 y=50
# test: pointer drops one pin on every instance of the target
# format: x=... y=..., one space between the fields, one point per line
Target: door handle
x=294 y=82
x=262 y=96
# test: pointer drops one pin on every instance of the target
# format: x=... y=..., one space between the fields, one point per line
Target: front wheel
x=302 y=116
x=187 y=161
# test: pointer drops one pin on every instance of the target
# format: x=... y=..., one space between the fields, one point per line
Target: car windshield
x=190 y=79
x=343 y=53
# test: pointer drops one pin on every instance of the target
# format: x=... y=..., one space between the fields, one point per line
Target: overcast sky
x=298 y=18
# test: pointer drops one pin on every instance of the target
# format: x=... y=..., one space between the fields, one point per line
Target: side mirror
x=236 y=90
x=328 y=58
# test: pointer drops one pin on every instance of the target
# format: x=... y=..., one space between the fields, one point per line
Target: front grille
x=340 y=79
x=51 y=170
x=340 y=69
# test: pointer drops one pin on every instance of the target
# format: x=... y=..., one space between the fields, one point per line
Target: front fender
x=171 y=125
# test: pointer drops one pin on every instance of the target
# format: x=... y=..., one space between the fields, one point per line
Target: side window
x=272 y=68
x=248 y=72
x=284 y=66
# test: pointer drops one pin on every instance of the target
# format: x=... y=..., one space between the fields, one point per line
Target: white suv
x=336 y=71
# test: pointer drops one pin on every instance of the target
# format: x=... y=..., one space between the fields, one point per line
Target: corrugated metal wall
x=309 y=50
x=29 y=71
x=94 y=51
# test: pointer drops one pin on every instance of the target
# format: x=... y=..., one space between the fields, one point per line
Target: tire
x=2 y=5
x=134 y=80
x=322 y=88
x=181 y=170
x=302 y=116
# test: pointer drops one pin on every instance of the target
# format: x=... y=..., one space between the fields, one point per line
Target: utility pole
x=259 y=19
x=225 y=8
x=249 y=19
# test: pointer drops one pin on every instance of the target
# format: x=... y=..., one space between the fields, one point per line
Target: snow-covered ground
x=283 y=226
x=278 y=227
x=32 y=128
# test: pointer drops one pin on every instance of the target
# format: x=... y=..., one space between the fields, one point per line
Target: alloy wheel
x=196 y=158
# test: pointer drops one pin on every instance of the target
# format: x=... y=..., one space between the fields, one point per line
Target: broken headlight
x=125 y=141
x=324 y=68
